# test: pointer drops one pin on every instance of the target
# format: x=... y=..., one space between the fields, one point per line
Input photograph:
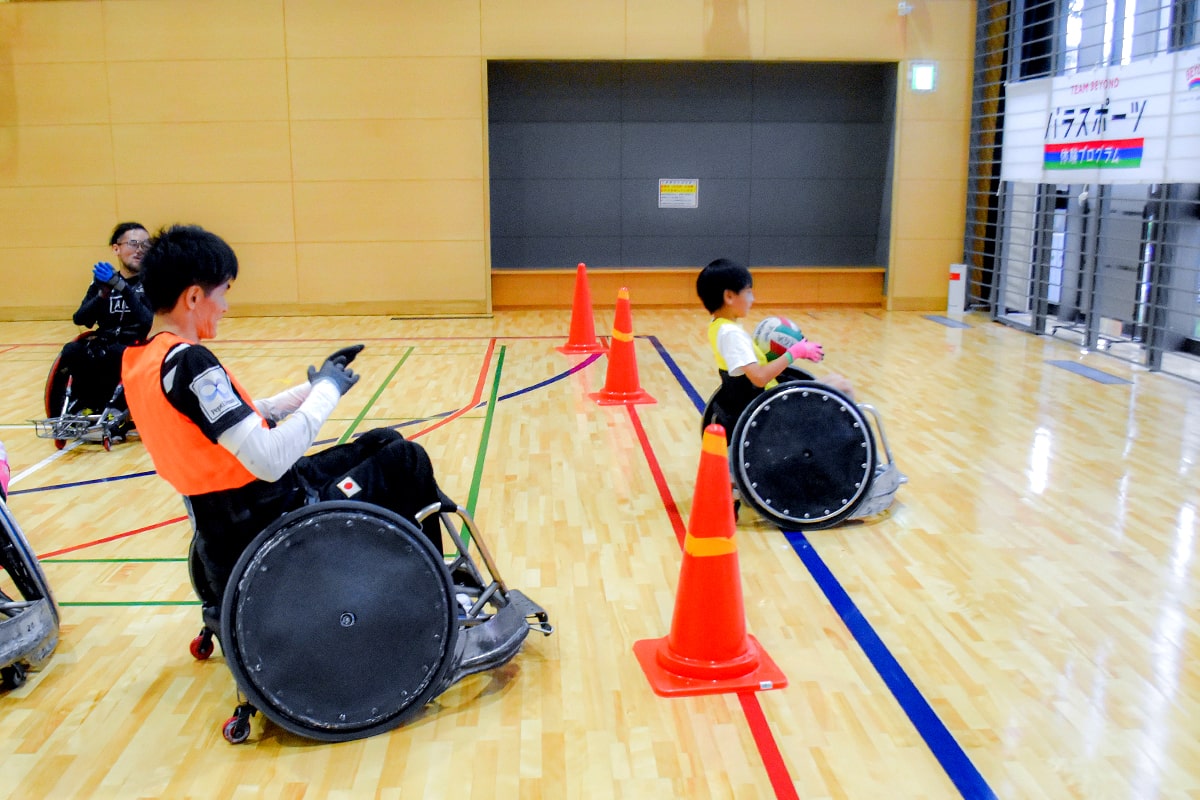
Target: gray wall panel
x=840 y=250
x=557 y=252
x=554 y=91
x=687 y=92
x=555 y=150
x=573 y=207
x=723 y=209
x=820 y=150
x=682 y=251
x=837 y=93
x=674 y=150
x=836 y=208
x=791 y=158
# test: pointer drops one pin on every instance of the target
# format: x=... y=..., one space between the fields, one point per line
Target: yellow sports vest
x=713 y=328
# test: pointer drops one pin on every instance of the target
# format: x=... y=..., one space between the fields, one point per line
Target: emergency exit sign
x=678 y=192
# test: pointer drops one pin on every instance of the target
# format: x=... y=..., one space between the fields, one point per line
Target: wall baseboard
x=854 y=287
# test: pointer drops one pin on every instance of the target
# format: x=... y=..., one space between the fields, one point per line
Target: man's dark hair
x=124 y=228
x=181 y=256
x=713 y=280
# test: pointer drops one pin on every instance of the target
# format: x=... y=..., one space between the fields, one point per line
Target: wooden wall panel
x=63 y=93
x=389 y=28
x=242 y=90
x=383 y=211
x=554 y=29
x=384 y=88
x=400 y=272
x=181 y=30
x=202 y=152
x=374 y=149
x=243 y=212
x=54 y=216
x=58 y=155
x=53 y=33
x=849 y=30
x=295 y=122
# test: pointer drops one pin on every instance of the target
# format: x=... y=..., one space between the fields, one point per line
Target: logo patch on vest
x=349 y=487
x=215 y=393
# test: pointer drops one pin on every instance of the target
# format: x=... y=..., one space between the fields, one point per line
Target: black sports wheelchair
x=28 y=613
x=91 y=413
x=341 y=621
x=803 y=454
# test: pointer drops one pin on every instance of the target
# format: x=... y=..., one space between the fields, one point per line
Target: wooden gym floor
x=1022 y=623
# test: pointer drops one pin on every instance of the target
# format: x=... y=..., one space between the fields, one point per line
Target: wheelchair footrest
x=30 y=634
x=495 y=641
x=887 y=482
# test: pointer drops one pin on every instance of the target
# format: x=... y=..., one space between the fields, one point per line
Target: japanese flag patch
x=349 y=486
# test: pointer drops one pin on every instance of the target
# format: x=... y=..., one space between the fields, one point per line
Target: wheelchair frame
x=63 y=424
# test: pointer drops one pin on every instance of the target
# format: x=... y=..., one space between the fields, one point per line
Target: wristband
x=791 y=358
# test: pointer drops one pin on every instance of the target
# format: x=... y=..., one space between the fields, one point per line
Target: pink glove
x=806 y=349
x=4 y=471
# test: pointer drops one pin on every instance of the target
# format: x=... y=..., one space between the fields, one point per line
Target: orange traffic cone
x=621 y=380
x=582 y=337
x=708 y=650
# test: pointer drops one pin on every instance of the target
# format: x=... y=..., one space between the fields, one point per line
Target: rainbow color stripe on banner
x=1194 y=82
x=1100 y=154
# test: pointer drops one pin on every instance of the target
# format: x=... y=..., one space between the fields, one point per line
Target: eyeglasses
x=136 y=244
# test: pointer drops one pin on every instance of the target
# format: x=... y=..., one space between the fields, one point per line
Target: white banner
x=1134 y=123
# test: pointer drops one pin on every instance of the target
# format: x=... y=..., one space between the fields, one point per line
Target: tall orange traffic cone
x=621 y=379
x=708 y=650
x=582 y=337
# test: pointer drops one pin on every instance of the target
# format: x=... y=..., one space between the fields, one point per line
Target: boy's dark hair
x=181 y=256
x=124 y=228
x=713 y=280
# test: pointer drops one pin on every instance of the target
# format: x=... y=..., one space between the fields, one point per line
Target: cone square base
x=622 y=398
x=767 y=675
x=582 y=349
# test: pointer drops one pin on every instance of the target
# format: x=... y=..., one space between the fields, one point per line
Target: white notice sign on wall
x=678 y=192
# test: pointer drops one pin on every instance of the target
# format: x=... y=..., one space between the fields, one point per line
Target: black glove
x=346 y=354
x=342 y=377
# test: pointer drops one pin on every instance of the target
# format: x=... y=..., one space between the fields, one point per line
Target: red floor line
x=660 y=480
x=767 y=747
x=112 y=538
x=764 y=740
x=475 y=398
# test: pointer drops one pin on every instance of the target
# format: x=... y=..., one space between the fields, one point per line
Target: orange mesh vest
x=181 y=453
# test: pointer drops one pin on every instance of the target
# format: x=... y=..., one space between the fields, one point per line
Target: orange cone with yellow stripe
x=621 y=380
x=582 y=336
x=708 y=650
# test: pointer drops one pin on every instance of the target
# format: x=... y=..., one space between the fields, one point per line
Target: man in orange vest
x=238 y=462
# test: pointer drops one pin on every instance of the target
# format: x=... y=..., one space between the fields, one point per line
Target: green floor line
x=362 y=414
x=128 y=603
x=477 y=477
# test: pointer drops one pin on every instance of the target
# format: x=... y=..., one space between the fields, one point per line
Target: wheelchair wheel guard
x=28 y=622
x=339 y=621
x=803 y=456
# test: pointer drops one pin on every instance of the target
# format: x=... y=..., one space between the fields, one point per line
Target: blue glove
x=103 y=271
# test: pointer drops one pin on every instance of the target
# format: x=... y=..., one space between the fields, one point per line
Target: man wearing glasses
x=115 y=304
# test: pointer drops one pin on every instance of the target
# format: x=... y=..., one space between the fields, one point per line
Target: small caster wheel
x=107 y=442
x=59 y=444
x=236 y=730
x=202 y=646
x=13 y=677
